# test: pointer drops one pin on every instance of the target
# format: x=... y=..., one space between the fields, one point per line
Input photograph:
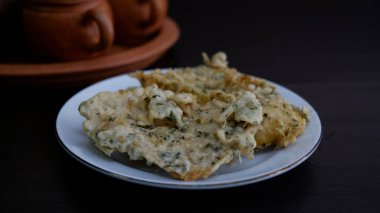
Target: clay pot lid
x=58 y=2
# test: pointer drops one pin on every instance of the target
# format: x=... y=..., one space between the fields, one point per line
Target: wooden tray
x=117 y=60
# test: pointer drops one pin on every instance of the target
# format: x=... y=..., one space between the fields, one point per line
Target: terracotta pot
x=136 y=20
x=68 y=29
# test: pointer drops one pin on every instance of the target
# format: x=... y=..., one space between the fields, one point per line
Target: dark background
x=326 y=51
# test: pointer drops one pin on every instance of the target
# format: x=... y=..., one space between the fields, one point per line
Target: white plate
x=265 y=164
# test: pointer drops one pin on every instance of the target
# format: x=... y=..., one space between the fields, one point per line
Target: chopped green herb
x=202 y=134
x=171 y=117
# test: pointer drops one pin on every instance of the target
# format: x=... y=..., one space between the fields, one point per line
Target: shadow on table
x=86 y=189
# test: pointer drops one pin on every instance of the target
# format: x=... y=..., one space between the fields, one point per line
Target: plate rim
x=192 y=186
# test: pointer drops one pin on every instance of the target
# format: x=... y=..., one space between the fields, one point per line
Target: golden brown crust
x=206 y=116
x=192 y=147
x=282 y=122
x=199 y=173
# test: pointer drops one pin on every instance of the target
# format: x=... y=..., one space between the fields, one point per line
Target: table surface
x=326 y=51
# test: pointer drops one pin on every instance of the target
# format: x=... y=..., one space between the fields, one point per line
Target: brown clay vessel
x=68 y=29
x=137 y=20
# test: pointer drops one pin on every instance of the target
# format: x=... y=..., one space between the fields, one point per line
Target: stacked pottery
x=79 y=29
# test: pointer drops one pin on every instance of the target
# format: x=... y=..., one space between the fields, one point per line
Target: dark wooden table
x=327 y=51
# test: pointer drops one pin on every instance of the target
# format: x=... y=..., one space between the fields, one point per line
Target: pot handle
x=104 y=22
x=157 y=8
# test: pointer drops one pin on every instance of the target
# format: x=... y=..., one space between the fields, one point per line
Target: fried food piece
x=282 y=122
x=187 y=139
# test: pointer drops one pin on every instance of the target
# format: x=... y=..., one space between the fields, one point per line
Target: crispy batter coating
x=282 y=121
